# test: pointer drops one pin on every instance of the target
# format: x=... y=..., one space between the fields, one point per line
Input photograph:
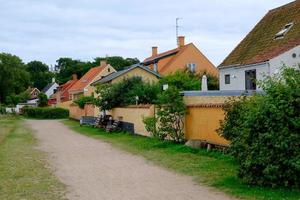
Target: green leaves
x=264 y=132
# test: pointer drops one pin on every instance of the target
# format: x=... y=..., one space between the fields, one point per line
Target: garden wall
x=76 y=112
x=134 y=114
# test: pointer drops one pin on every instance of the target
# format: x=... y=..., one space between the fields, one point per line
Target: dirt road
x=94 y=170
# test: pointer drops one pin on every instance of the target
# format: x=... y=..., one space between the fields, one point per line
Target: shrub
x=168 y=123
x=45 y=113
x=43 y=100
x=2 y=110
x=264 y=132
x=83 y=100
x=125 y=92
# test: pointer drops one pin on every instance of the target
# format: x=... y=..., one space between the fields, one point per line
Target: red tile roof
x=86 y=79
x=64 y=89
x=260 y=44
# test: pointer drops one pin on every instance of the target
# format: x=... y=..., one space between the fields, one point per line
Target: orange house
x=82 y=86
x=185 y=56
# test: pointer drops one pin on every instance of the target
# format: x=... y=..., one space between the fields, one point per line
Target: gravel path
x=93 y=169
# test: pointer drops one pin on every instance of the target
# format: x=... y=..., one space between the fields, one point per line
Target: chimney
x=204 y=83
x=103 y=63
x=74 y=77
x=154 y=51
x=180 y=41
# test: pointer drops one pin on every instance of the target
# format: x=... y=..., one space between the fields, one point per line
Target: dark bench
x=87 y=120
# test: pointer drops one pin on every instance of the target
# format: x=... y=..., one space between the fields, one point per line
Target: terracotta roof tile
x=260 y=44
x=86 y=79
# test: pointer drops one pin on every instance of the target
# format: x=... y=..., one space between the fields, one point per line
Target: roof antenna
x=177 y=27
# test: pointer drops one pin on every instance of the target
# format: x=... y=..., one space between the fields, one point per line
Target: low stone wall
x=134 y=114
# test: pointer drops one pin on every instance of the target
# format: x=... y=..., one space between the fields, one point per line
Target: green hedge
x=45 y=113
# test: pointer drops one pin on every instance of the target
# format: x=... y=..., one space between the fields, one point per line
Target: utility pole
x=177 y=27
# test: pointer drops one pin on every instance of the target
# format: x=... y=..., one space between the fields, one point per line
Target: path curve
x=94 y=170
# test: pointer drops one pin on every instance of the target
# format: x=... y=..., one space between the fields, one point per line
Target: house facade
x=136 y=70
x=50 y=88
x=184 y=57
x=272 y=44
x=83 y=86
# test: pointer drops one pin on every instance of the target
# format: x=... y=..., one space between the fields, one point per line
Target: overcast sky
x=46 y=30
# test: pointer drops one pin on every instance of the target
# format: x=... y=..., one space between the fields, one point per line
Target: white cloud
x=46 y=30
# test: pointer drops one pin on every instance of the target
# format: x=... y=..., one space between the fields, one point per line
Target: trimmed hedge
x=45 y=113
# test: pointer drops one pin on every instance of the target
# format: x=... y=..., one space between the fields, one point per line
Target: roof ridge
x=283 y=6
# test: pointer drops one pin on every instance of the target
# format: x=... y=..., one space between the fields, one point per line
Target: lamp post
x=136 y=100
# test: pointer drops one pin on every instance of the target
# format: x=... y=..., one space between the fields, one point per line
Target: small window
x=191 y=67
x=283 y=31
x=227 y=78
x=108 y=69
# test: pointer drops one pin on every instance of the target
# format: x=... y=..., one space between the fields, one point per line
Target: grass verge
x=210 y=168
x=23 y=170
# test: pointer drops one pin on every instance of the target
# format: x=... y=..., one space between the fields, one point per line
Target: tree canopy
x=14 y=78
x=68 y=66
x=40 y=75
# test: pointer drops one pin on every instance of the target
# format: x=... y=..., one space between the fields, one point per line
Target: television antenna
x=177 y=28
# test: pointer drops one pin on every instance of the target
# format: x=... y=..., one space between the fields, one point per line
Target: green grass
x=23 y=170
x=210 y=168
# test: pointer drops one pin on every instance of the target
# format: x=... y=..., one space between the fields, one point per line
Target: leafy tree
x=182 y=80
x=13 y=76
x=83 y=100
x=264 y=132
x=39 y=74
x=68 y=66
x=43 y=100
x=170 y=114
x=125 y=92
x=117 y=62
x=15 y=99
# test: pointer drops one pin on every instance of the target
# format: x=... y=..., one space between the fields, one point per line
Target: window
x=227 y=78
x=250 y=79
x=108 y=69
x=283 y=31
x=191 y=67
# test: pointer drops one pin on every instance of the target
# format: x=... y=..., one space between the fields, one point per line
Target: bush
x=264 y=132
x=2 y=110
x=83 y=100
x=45 y=113
x=43 y=100
x=124 y=93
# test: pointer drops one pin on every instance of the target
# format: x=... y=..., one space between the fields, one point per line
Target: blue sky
x=48 y=29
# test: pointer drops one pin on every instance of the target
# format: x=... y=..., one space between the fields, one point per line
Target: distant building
x=184 y=57
x=50 y=88
x=135 y=70
x=62 y=94
x=272 y=43
x=82 y=86
x=33 y=95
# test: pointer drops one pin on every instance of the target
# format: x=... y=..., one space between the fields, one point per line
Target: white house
x=50 y=88
x=273 y=43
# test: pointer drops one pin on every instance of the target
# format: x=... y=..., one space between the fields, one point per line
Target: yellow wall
x=135 y=115
x=203 y=118
x=146 y=76
x=201 y=123
x=65 y=105
x=190 y=55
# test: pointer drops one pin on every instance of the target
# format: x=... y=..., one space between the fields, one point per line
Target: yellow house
x=185 y=56
x=136 y=70
x=83 y=86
